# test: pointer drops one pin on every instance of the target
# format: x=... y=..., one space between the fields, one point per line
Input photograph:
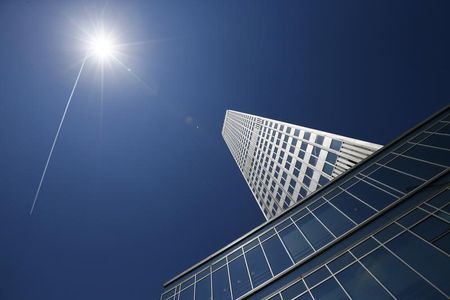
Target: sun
x=103 y=47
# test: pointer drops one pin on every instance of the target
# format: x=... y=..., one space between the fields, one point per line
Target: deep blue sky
x=138 y=196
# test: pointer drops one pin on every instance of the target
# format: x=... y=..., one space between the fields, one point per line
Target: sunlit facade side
x=379 y=231
x=283 y=163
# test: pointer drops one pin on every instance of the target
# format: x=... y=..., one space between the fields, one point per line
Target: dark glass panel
x=430 y=154
x=399 y=181
x=437 y=140
x=316 y=277
x=431 y=263
x=187 y=294
x=414 y=167
x=239 y=277
x=431 y=228
x=359 y=284
x=441 y=199
x=444 y=243
x=413 y=217
x=331 y=158
x=335 y=145
x=328 y=290
x=364 y=247
x=388 y=232
x=403 y=283
x=371 y=195
x=203 y=289
x=221 y=285
x=276 y=254
x=317 y=235
x=294 y=290
x=340 y=262
x=257 y=265
x=352 y=207
x=333 y=219
x=295 y=243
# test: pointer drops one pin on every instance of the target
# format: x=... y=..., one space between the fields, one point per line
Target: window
x=371 y=195
x=431 y=228
x=187 y=294
x=331 y=158
x=336 y=145
x=333 y=219
x=295 y=243
x=203 y=288
x=319 y=139
x=277 y=256
x=359 y=284
x=429 y=262
x=306 y=136
x=294 y=290
x=353 y=208
x=415 y=167
x=317 y=235
x=403 y=283
x=239 y=277
x=429 y=154
x=221 y=285
x=328 y=290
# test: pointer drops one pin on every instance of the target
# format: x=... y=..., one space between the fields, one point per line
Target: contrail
x=56 y=137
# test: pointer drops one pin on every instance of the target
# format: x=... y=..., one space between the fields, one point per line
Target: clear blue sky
x=136 y=194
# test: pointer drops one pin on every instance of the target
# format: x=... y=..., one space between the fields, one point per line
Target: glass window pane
x=316 y=277
x=364 y=247
x=328 y=290
x=221 y=285
x=340 y=262
x=352 y=207
x=437 y=140
x=277 y=256
x=428 y=261
x=295 y=243
x=415 y=167
x=399 y=181
x=239 y=277
x=333 y=219
x=444 y=243
x=371 y=195
x=258 y=267
x=388 y=232
x=294 y=290
x=359 y=284
x=403 y=283
x=187 y=294
x=431 y=228
x=430 y=154
x=203 y=289
x=317 y=235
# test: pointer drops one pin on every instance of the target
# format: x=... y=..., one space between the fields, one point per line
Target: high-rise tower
x=282 y=163
x=379 y=231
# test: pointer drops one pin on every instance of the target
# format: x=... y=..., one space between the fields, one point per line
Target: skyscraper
x=381 y=230
x=283 y=163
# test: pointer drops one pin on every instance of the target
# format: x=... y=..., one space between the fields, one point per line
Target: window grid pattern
x=283 y=163
x=311 y=227
x=354 y=274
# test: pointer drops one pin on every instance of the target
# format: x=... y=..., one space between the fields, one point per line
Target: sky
x=141 y=185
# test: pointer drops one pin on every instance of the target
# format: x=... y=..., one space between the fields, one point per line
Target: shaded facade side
x=283 y=163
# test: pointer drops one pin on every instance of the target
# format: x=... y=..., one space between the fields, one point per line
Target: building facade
x=283 y=163
x=381 y=230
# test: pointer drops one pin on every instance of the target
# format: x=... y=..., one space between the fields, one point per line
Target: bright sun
x=103 y=47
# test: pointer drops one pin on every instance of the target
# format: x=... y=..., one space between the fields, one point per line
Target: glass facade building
x=283 y=163
x=381 y=230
